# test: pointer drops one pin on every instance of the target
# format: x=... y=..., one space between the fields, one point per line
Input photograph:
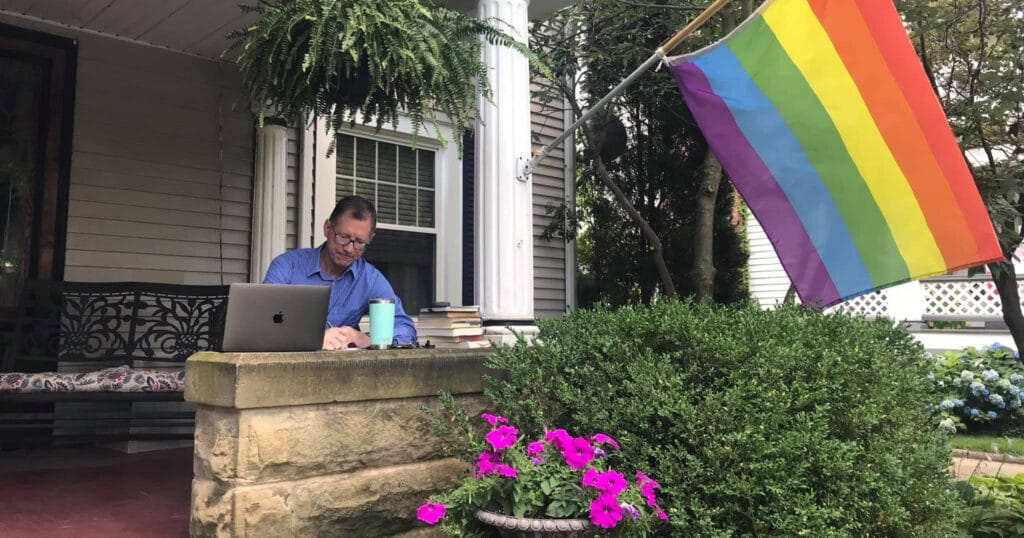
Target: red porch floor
x=86 y=492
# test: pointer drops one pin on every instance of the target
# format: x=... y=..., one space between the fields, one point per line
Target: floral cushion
x=119 y=379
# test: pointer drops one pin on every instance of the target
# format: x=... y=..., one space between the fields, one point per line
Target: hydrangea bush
x=977 y=389
x=556 y=475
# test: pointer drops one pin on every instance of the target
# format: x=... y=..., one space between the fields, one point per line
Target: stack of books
x=451 y=326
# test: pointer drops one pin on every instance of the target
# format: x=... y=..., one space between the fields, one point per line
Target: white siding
x=768 y=280
x=549 y=257
x=162 y=166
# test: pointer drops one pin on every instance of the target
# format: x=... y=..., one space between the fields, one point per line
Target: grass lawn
x=1004 y=445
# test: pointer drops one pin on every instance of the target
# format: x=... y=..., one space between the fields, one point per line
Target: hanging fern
x=337 y=58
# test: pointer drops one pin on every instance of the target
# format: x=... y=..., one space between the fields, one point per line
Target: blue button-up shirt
x=350 y=292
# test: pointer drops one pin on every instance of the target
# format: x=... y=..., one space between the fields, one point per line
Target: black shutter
x=468 y=215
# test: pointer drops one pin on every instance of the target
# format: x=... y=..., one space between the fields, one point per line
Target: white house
x=944 y=313
x=146 y=165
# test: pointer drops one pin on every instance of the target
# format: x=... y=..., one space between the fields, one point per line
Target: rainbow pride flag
x=822 y=116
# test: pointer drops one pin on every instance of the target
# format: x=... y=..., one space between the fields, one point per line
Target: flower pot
x=354 y=88
x=523 y=527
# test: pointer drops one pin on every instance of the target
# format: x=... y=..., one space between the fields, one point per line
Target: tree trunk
x=790 y=295
x=703 y=271
x=1005 y=277
x=595 y=139
x=652 y=238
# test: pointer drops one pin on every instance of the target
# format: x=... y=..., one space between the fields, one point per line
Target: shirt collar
x=313 y=264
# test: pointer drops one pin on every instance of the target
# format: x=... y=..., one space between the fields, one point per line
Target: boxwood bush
x=756 y=423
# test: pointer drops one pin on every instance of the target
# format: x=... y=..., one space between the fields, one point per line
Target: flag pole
x=658 y=55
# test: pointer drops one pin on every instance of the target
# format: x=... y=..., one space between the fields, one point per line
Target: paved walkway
x=968 y=462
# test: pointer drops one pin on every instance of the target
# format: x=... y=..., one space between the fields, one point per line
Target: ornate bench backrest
x=101 y=324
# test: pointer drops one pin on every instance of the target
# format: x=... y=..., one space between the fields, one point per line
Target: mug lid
x=381 y=300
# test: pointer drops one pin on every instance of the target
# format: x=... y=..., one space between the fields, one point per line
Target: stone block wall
x=322 y=444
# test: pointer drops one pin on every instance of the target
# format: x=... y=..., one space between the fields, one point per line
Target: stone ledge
x=367 y=504
x=253 y=380
x=239 y=448
x=988 y=456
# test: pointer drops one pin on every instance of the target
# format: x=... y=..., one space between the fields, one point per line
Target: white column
x=269 y=198
x=504 y=212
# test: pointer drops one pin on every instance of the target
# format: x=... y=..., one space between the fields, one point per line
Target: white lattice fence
x=869 y=305
x=962 y=299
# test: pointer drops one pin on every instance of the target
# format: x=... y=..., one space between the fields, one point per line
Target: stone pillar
x=504 y=203
x=269 y=197
x=322 y=443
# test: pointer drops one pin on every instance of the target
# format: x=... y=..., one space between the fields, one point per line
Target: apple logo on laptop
x=279 y=317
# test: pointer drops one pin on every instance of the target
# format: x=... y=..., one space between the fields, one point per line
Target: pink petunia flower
x=647 y=492
x=661 y=513
x=508 y=471
x=641 y=479
x=602 y=439
x=502 y=437
x=430 y=513
x=487 y=463
x=605 y=512
x=611 y=483
x=493 y=420
x=534 y=448
x=578 y=453
x=558 y=438
x=608 y=483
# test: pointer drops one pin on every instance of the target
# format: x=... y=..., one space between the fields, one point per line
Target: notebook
x=275 y=317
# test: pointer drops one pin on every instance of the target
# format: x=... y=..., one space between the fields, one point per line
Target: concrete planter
x=522 y=527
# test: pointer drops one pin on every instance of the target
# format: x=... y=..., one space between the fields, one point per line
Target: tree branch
x=649 y=234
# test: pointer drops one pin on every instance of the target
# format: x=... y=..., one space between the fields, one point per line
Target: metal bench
x=87 y=359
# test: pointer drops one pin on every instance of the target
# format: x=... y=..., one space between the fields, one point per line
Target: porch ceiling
x=196 y=27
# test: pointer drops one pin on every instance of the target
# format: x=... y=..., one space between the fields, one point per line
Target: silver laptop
x=275 y=317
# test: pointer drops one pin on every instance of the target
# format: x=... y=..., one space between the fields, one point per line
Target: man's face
x=347 y=239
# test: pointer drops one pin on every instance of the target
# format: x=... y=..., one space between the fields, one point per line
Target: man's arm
x=405 y=330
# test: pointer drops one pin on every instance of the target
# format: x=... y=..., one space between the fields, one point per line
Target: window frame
x=447 y=229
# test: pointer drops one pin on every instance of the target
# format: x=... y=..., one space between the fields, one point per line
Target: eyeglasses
x=344 y=241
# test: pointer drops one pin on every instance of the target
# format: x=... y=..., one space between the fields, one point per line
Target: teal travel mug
x=382 y=323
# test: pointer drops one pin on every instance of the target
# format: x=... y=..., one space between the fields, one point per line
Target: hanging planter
x=524 y=527
x=369 y=60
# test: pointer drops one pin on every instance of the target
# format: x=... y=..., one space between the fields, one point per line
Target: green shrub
x=978 y=390
x=782 y=423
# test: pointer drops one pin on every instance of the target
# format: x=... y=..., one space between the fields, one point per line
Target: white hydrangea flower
x=989 y=375
x=947 y=425
x=967 y=375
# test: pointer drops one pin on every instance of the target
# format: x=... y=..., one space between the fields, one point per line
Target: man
x=339 y=263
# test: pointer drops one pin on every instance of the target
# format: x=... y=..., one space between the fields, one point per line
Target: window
x=400 y=181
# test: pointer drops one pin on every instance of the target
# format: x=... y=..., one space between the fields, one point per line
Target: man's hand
x=342 y=337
